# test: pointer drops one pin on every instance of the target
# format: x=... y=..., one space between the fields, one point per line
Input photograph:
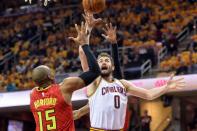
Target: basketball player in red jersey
x=50 y=103
x=108 y=113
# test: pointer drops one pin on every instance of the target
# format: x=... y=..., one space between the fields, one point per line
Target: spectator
x=61 y=71
x=134 y=123
x=158 y=35
x=70 y=54
x=182 y=69
x=192 y=126
x=145 y=121
x=165 y=65
x=136 y=62
x=192 y=43
x=126 y=61
x=20 y=68
x=139 y=24
x=192 y=68
x=172 y=44
x=10 y=86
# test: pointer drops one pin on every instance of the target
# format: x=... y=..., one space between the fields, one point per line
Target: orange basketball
x=93 y=6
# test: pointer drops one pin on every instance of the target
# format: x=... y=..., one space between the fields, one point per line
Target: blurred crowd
x=143 y=26
x=192 y=125
x=183 y=62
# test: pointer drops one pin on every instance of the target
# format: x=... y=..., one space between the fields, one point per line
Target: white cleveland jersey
x=108 y=105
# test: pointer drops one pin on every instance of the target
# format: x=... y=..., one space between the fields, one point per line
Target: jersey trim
x=110 y=81
x=122 y=84
x=96 y=88
x=42 y=89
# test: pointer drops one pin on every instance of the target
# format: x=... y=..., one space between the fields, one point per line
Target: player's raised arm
x=82 y=56
x=110 y=35
x=90 y=20
x=75 y=83
x=90 y=23
x=154 y=92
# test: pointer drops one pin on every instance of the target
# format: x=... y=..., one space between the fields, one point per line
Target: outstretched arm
x=81 y=112
x=90 y=22
x=110 y=35
x=155 y=92
x=75 y=83
x=85 y=109
x=82 y=56
x=115 y=55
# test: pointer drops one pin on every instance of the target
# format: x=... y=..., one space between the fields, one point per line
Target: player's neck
x=109 y=78
x=45 y=85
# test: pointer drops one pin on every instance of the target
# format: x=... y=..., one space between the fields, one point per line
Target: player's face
x=105 y=65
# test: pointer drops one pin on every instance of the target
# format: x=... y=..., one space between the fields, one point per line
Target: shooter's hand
x=83 y=35
x=110 y=33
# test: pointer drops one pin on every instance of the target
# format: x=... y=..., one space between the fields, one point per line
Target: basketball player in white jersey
x=107 y=96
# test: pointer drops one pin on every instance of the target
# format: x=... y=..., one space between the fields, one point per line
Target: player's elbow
x=149 y=96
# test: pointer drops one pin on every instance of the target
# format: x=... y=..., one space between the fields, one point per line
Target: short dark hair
x=104 y=54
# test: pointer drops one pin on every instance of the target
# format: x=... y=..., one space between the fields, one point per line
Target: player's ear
x=113 y=68
x=51 y=77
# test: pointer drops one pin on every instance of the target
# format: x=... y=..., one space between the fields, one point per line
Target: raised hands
x=83 y=35
x=175 y=84
x=90 y=20
x=110 y=33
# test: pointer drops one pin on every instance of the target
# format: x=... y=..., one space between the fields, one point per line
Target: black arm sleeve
x=94 y=70
x=117 y=72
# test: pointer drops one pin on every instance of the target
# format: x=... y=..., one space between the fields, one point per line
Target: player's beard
x=106 y=74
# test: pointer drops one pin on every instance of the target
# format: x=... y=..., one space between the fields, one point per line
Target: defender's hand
x=76 y=114
x=83 y=35
x=175 y=84
x=90 y=20
x=110 y=33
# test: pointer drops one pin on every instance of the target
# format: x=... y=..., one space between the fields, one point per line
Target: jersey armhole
x=31 y=92
x=61 y=95
x=123 y=84
x=96 y=88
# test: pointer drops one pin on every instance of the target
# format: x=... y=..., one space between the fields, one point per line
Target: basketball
x=94 y=6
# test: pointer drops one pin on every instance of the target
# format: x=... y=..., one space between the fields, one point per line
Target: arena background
x=155 y=38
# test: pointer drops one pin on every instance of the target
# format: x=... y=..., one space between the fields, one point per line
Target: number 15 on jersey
x=48 y=117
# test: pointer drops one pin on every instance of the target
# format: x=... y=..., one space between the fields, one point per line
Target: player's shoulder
x=91 y=88
x=69 y=79
x=120 y=80
x=123 y=82
x=69 y=82
x=97 y=81
x=31 y=92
